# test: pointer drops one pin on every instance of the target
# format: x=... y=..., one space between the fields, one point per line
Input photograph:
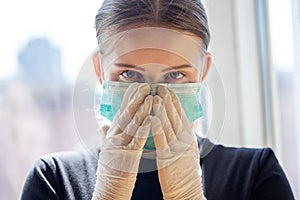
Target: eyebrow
x=129 y=66
x=142 y=69
x=177 y=67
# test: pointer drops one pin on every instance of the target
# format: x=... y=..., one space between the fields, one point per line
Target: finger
x=158 y=134
x=131 y=105
x=116 y=141
x=122 y=136
x=160 y=111
x=178 y=106
x=173 y=107
x=179 y=122
x=143 y=111
x=138 y=141
x=102 y=133
x=134 y=96
x=165 y=92
x=130 y=90
x=114 y=129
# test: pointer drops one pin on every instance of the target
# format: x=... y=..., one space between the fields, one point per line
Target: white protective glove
x=123 y=145
x=178 y=159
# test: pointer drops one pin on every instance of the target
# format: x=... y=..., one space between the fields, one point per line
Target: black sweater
x=227 y=173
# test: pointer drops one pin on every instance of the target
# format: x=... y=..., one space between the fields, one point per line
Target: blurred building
x=41 y=68
x=40 y=62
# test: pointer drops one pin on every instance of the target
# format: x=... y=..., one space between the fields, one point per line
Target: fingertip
x=104 y=129
x=157 y=102
x=140 y=93
x=145 y=88
x=133 y=86
x=154 y=119
x=162 y=90
x=147 y=121
x=157 y=99
x=149 y=99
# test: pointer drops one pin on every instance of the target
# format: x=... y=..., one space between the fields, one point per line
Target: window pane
x=284 y=47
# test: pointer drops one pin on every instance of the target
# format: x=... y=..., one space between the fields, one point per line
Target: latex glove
x=123 y=145
x=178 y=159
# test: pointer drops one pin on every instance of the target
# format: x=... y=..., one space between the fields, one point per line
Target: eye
x=174 y=76
x=132 y=76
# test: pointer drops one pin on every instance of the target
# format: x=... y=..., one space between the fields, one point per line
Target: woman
x=152 y=60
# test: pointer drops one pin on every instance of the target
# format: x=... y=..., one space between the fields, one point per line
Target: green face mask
x=188 y=94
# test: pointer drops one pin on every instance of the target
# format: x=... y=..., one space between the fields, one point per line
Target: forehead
x=152 y=44
x=142 y=57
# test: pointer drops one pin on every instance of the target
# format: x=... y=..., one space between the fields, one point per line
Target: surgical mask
x=187 y=93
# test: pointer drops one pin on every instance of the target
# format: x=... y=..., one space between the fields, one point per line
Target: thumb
x=103 y=133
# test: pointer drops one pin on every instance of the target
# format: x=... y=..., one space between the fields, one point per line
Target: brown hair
x=183 y=15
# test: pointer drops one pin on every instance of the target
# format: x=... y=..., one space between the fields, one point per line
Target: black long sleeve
x=228 y=173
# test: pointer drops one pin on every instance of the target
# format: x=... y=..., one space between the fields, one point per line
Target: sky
x=68 y=24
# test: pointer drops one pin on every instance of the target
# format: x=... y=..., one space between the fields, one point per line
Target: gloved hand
x=176 y=148
x=123 y=145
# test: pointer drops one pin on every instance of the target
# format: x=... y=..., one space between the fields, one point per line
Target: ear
x=97 y=66
x=207 y=64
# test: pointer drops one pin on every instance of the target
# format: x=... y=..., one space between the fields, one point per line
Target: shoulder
x=67 y=159
x=218 y=153
x=58 y=174
x=249 y=163
x=248 y=173
x=238 y=160
x=78 y=166
x=257 y=155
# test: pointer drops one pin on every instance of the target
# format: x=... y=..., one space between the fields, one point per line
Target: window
x=43 y=45
x=284 y=44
